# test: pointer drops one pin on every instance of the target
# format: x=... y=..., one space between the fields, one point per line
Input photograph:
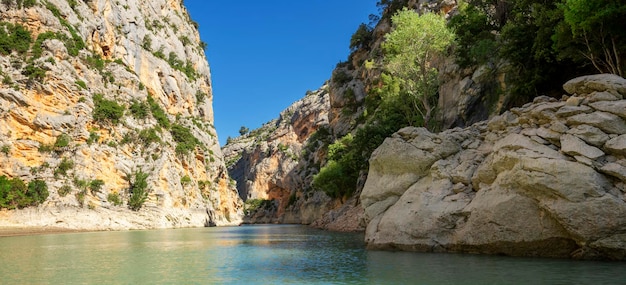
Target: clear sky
x=265 y=55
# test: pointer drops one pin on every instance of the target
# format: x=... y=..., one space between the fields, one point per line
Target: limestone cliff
x=273 y=164
x=545 y=179
x=109 y=90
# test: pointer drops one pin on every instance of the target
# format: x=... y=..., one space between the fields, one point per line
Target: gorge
x=107 y=123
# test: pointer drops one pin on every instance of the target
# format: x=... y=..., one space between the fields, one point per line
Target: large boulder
x=546 y=179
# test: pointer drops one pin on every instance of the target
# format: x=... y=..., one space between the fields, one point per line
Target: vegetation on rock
x=138 y=190
x=14 y=194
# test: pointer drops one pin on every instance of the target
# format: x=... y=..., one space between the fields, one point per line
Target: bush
x=64 y=190
x=14 y=194
x=252 y=205
x=185 y=180
x=37 y=191
x=106 y=110
x=138 y=190
x=14 y=38
x=139 y=110
x=65 y=165
x=114 y=199
x=186 y=141
x=96 y=185
x=62 y=141
x=158 y=113
x=341 y=77
x=149 y=136
x=361 y=38
x=6 y=149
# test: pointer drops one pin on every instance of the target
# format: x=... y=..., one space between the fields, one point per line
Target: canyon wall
x=116 y=92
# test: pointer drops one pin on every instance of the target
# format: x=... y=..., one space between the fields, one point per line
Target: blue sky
x=265 y=55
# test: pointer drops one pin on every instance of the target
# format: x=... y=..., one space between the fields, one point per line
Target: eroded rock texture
x=546 y=179
x=143 y=55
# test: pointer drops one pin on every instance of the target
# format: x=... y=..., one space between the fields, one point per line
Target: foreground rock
x=547 y=179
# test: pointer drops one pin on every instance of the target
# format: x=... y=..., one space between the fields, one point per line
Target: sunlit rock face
x=545 y=179
x=273 y=163
x=147 y=57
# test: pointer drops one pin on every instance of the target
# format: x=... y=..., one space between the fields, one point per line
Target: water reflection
x=266 y=255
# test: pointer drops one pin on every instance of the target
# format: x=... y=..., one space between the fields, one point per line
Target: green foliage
x=93 y=137
x=184 y=67
x=64 y=190
x=62 y=141
x=81 y=84
x=410 y=49
x=149 y=136
x=106 y=111
x=34 y=72
x=252 y=205
x=96 y=185
x=138 y=190
x=158 y=113
x=19 y=3
x=335 y=179
x=14 y=38
x=65 y=165
x=115 y=199
x=340 y=77
x=80 y=197
x=243 y=130
x=139 y=110
x=37 y=191
x=96 y=62
x=76 y=43
x=475 y=42
x=6 y=149
x=14 y=194
x=185 y=180
x=361 y=38
x=147 y=43
x=186 y=141
x=598 y=25
x=200 y=96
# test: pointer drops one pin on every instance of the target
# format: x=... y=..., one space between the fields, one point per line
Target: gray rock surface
x=552 y=187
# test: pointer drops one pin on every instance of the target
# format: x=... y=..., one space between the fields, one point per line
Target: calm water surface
x=273 y=254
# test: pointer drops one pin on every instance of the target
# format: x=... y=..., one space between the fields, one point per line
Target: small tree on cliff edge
x=410 y=49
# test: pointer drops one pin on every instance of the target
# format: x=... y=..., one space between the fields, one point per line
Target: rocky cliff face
x=273 y=164
x=60 y=104
x=546 y=179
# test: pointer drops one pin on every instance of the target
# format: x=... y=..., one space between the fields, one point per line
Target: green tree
x=599 y=26
x=243 y=130
x=138 y=190
x=361 y=38
x=37 y=191
x=410 y=50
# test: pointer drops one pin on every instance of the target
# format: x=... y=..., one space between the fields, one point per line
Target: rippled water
x=273 y=254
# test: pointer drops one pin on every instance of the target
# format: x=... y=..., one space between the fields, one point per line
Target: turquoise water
x=266 y=254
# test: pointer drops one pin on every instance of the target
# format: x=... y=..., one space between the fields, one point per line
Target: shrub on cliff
x=14 y=194
x=186 y=141
x=138 y=190
x=14 y=38
x=106 y=111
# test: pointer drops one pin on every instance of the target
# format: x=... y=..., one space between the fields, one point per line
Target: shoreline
x=8 y=231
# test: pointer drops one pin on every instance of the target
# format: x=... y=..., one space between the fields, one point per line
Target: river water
x=266 y=254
